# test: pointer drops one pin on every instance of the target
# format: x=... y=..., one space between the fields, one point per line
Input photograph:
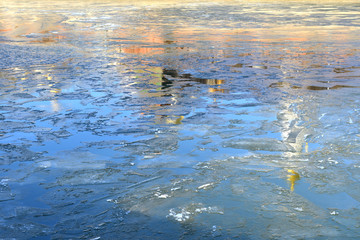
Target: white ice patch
x=186 y=213
x=334 y=213
x=175 y=188
x=206 y=186
x=299 y=209
x=163 y=196
x=179 y=216
x=4 y=181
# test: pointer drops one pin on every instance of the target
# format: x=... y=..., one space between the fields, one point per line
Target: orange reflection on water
x=215 y=90
x=142 y=50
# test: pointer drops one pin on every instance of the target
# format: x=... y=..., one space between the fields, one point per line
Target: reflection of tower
x=293 y=133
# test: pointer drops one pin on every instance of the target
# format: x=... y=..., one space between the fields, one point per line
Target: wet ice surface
x=192 y=120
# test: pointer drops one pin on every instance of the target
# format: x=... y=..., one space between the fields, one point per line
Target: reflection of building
x=175 y=46
x=165 y=88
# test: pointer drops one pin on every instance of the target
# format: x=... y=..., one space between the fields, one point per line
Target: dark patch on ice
x=18 y=55
x=23 y=95
x=16 y=153
x=170 y=75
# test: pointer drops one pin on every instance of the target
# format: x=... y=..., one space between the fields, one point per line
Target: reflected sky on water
x=183 y=120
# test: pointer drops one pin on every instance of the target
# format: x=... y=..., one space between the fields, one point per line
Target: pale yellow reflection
x=175 y=121
x=292 y=178
x=170 y=120
x=55 y=106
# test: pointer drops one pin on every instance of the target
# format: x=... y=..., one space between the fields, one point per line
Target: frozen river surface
x=179 y=120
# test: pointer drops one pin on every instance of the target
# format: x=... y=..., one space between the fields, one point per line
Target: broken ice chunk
x=259 y=144
x=162 y=196
x=188 y=212
x=299 y=209
x=206 y=186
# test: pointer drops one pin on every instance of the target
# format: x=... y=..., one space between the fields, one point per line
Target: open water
x=179 y=119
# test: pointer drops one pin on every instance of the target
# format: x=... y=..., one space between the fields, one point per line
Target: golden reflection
x=55 y=90
x=216 y=90
x=292 y=178
x=213 y=81
x=175 y=121
x=168 y=119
